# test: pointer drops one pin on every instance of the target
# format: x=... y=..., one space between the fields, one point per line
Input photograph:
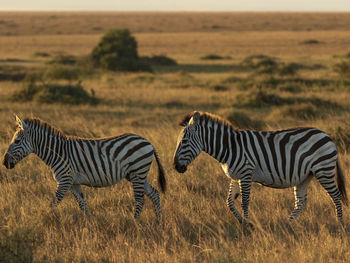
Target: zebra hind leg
x=79 y=196
x=154 y=196
x=230 y=201
x=245 y=184
x=328 y=183
x=300 y=194
x=138 y=186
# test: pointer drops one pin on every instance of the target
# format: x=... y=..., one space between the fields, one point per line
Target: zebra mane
x=38 y=123
x=207 y=117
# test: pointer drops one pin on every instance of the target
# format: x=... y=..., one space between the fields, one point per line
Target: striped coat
x=91 y=162
x=279 y=159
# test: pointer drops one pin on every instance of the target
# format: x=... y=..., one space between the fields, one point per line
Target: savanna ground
x=295 y=83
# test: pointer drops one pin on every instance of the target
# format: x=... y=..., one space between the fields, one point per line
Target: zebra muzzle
x=7 y=162
x=178 y=167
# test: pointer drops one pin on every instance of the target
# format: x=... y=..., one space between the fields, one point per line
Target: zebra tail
x=341 y=184
x=161 y=175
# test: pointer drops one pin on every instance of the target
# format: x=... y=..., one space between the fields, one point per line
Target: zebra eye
x=17 y=141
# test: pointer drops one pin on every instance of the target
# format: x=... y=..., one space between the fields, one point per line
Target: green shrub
x=219 y=88
x=211 y=57
x=261 y=63
x=41 y=54
x=311 y=42
x=243 y=121
x=117 y=50
x=54 y=93
x=266 y=66
x=111 y=62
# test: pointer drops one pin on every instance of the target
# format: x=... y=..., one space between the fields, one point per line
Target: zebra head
x=189 y=144
x=20 y=145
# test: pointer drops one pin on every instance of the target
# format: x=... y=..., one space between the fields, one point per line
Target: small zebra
x=279 y=159
x=91 y=162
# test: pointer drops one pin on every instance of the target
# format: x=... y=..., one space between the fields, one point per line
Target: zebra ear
x=21 y=124
x=195 y=117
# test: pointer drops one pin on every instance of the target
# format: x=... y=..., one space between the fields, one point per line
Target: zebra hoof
x=248 y=225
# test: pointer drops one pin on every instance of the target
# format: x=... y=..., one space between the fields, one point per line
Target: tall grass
x=196 y=225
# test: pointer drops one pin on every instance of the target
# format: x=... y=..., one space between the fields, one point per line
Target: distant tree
x=117 y=50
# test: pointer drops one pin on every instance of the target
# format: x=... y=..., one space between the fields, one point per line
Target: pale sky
x=178 y=5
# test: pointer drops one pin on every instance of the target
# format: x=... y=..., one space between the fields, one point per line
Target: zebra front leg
x=63 y=186
x=245 y=184
x=300 y=193
x=154 y=196
x=230 y=201
x=79 y=196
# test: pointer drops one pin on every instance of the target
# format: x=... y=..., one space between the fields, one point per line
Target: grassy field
x=249 y=89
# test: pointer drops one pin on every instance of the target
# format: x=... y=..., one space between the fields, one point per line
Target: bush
x=211 y=57
x=243 y=121
x=117 y=50
x=219 y=88
x=112 y=62
x=290 y=69
x=311 y=42
x=41 y=54
x=266 y=66
x=261 y=63
x=160 y=60
x=54 y=93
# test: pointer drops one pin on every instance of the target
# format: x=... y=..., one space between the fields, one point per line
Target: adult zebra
x=279 y=159
x=92 y=162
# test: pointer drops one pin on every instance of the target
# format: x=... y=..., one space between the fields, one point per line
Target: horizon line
x=176 y=11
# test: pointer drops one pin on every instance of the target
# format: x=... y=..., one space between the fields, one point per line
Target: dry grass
x=196 y=225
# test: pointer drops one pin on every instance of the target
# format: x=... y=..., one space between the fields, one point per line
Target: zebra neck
x=50 y=148
x=219 y=141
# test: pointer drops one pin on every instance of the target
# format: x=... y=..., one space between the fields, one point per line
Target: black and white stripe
x=92 y=162
x=279 y=159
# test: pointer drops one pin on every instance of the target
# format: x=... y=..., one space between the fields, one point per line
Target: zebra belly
x=83 y=179
x=98 y=178
x=258 y=176
x=268 y=179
